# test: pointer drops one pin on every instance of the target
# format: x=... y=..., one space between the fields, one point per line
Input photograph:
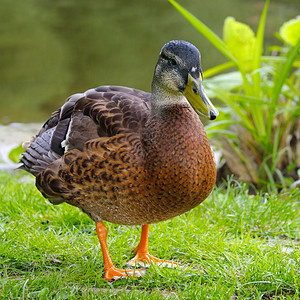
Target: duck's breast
x=179 y=162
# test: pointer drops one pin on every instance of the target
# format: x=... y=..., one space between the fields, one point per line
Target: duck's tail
x=38 y=154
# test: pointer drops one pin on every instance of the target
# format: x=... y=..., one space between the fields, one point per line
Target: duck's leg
x=143 y=258
x=111 y=272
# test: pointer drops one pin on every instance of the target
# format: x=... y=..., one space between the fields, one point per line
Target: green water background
x=52 y=49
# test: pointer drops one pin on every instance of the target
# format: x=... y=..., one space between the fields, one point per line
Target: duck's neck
x=162 y=99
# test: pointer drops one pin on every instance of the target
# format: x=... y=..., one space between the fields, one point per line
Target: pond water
x=51 y=49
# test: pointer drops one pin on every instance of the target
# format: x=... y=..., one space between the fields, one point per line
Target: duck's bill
x=196 y=96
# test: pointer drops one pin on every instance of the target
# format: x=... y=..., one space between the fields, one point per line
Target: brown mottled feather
x=123 y=164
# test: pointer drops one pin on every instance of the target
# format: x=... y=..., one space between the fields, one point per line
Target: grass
x=233 y=246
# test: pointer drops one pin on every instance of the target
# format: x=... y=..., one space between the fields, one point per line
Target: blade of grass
x=268 y=172
x=275 y=154
x=295 y=89
x=257 y=111
x=249 y=99
x=283 y=73
x=227 y=99
x=281 y=178
x=209 y=34
x=280 y=59
x=218 y=69
x=258 y=51
x=223 y=123
x=214 y=39
x=230 y=101
x=225 y=133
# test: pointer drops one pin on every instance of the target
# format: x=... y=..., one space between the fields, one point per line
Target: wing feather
x=99 y=113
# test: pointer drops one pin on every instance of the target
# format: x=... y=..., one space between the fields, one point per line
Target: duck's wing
x=106 y=167
x=98 y=113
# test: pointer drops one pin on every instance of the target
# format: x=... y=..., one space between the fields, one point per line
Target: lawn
x=233 y=246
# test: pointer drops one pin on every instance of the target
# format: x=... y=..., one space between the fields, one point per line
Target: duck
x=130 y=157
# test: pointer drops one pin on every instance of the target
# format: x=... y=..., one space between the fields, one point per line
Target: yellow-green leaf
x=15 y=154
x=290 y=31
x=241 y=41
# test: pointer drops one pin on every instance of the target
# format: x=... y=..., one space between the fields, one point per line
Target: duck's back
x=85 y=119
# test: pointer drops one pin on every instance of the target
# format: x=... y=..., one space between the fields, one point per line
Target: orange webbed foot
x=113 y=273
x=145 y=259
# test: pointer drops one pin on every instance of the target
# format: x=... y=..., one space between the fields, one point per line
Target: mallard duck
x=130 y=157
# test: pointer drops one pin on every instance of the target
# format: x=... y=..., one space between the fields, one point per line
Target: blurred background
x=52 y=49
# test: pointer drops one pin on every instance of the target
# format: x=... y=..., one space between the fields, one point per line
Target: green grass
x=233 y=245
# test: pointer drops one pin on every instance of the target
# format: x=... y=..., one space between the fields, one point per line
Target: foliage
x=15 y=154
x=260 y=127
x=234 y=245
x=290 y=31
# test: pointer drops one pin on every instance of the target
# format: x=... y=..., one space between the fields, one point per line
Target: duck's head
x=178 y=75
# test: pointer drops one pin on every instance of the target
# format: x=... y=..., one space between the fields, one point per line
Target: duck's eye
x=173 y=61
x=170 y=60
